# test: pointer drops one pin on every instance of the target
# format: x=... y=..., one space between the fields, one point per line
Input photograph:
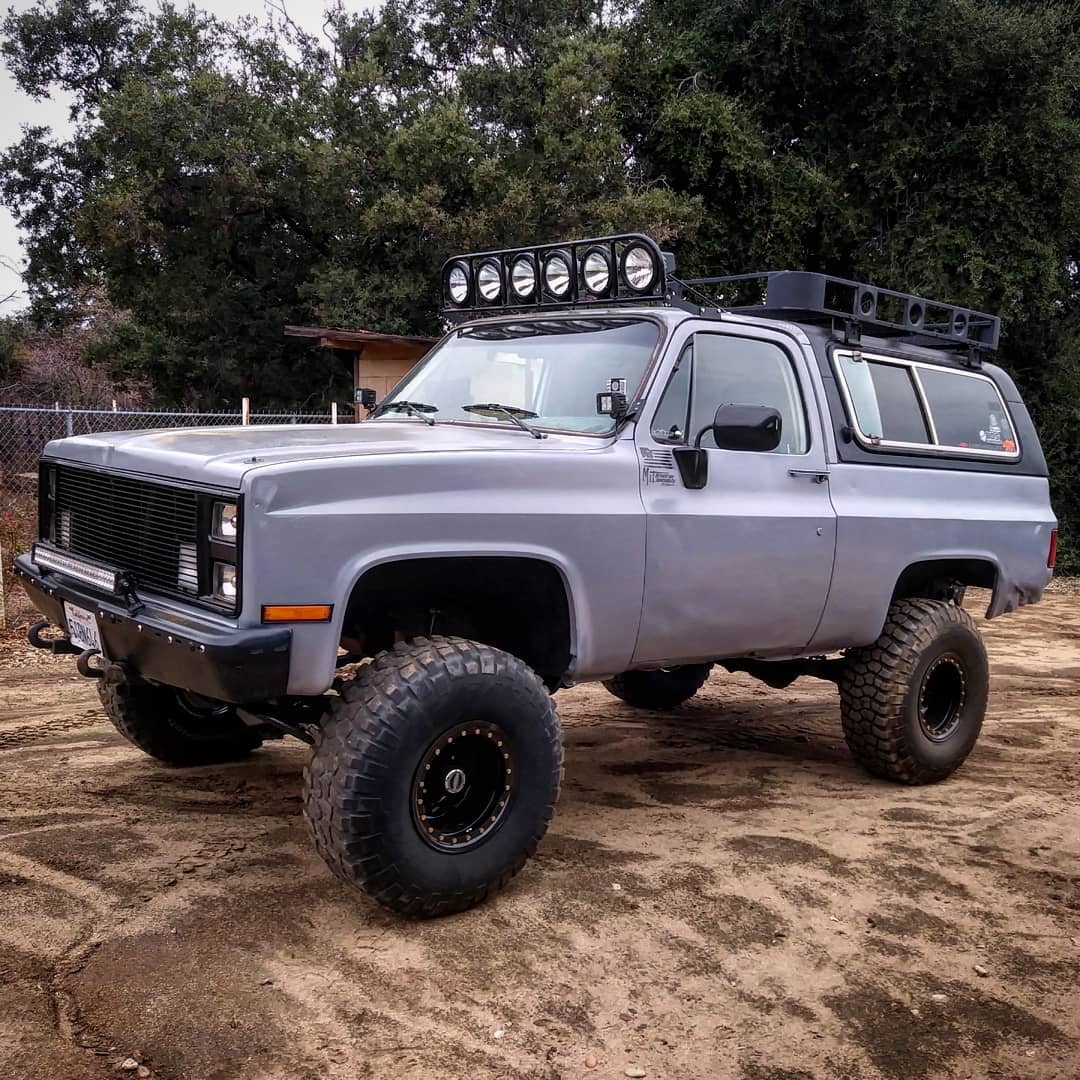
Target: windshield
x=550 y=369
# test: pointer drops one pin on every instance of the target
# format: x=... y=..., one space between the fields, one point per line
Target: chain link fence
x=24 y=431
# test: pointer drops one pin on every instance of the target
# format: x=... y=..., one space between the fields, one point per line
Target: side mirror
x=365 y=396
x=734 y=427
x=744 y=427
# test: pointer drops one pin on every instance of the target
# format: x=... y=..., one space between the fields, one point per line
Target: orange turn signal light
x=297 y=612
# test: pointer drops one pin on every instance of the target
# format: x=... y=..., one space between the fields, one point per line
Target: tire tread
x=358 y=739
x=143 y=715
x=875 y=682
x=658 y=689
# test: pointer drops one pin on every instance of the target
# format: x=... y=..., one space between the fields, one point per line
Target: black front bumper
x=178 y=649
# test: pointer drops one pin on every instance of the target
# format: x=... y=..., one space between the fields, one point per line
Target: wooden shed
x=379 y=360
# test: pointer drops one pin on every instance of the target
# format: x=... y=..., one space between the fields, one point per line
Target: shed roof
x=333 y=337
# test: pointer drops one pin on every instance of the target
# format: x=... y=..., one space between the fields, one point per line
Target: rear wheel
x=912 y=704
x=175 y=726
x=661 y=689
x=435 y=775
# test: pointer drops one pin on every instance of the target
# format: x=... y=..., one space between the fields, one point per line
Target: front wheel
x=912 y=704
x=175 y=726
x=435 y=775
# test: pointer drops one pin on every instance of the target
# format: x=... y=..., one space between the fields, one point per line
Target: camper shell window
x=910 y=405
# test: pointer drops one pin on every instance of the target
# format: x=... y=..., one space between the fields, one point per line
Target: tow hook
x=58 y=646
x=85 y=667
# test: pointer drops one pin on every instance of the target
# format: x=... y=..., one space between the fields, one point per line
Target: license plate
x=82 y=627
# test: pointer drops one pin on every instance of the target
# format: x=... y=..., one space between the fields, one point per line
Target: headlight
x=596 y=270
x=638 y=268
x=523 y=277
x=225 y=522
x=457 y=284
x=225 y=582
x=489 y=280
x=557 y=275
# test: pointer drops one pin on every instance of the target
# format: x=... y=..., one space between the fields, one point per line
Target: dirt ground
x=722 y=894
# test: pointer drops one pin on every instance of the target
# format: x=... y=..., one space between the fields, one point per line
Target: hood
x=221 y=455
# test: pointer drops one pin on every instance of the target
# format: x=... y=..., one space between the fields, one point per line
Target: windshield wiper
x=510 y=411
x=413 y=408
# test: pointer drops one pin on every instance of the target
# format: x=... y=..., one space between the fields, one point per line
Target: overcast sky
x=16 y=110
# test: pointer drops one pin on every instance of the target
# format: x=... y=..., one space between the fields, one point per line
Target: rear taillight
x=1051 y=557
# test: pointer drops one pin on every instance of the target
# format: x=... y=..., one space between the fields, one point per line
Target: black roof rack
x=852 y=306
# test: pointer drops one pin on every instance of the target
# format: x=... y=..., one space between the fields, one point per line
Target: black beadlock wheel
x=177 y=727
x=912 y=704
x=435 y=775
x=664 y=688
x=463 y=785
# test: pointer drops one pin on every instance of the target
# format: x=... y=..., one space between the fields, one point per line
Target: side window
x=968 y=411
x=669 y=423
x=919 y=404
x=743 y=371
x=885 y=400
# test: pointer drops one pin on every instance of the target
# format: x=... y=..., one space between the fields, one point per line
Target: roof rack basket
x=853 y=306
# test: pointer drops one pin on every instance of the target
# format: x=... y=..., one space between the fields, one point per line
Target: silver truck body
x=778 y=556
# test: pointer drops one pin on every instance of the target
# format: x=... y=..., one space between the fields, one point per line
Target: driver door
x=744 y=564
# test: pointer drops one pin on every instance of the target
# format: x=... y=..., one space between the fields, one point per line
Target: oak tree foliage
x=224 y=179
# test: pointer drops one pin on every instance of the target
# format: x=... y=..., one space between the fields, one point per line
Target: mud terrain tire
x=912 y=704
x=435 y=775
x=175 y=727
x=659 y=689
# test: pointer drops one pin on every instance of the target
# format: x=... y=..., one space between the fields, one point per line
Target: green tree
x=927 y=145
x=224 y=180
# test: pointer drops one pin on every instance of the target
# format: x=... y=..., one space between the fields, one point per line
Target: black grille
x=149 y=530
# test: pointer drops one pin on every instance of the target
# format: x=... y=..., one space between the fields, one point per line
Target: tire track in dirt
x=47 y=727
x=722 y=895
x=87 y=937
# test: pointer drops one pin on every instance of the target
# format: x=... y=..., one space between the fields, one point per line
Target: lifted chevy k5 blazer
x=601 y=472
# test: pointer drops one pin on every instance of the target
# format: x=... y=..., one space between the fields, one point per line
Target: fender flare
x=572 y=579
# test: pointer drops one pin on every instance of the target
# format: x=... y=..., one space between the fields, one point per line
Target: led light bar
x=74 y=567
x=626 y=268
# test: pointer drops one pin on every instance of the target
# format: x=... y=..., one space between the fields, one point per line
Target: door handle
x=816 y=475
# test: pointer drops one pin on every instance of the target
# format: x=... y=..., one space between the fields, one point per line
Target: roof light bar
x=624 y=268
x=70 y=566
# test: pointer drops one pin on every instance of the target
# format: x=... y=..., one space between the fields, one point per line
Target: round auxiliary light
x=557 y=275
x=457 y=284
x=523 y=277
x=489 y=281
x=639 y=269
x=596 y=272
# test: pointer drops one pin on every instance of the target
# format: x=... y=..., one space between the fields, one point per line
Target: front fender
x=591 y=640
x=314 y=530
